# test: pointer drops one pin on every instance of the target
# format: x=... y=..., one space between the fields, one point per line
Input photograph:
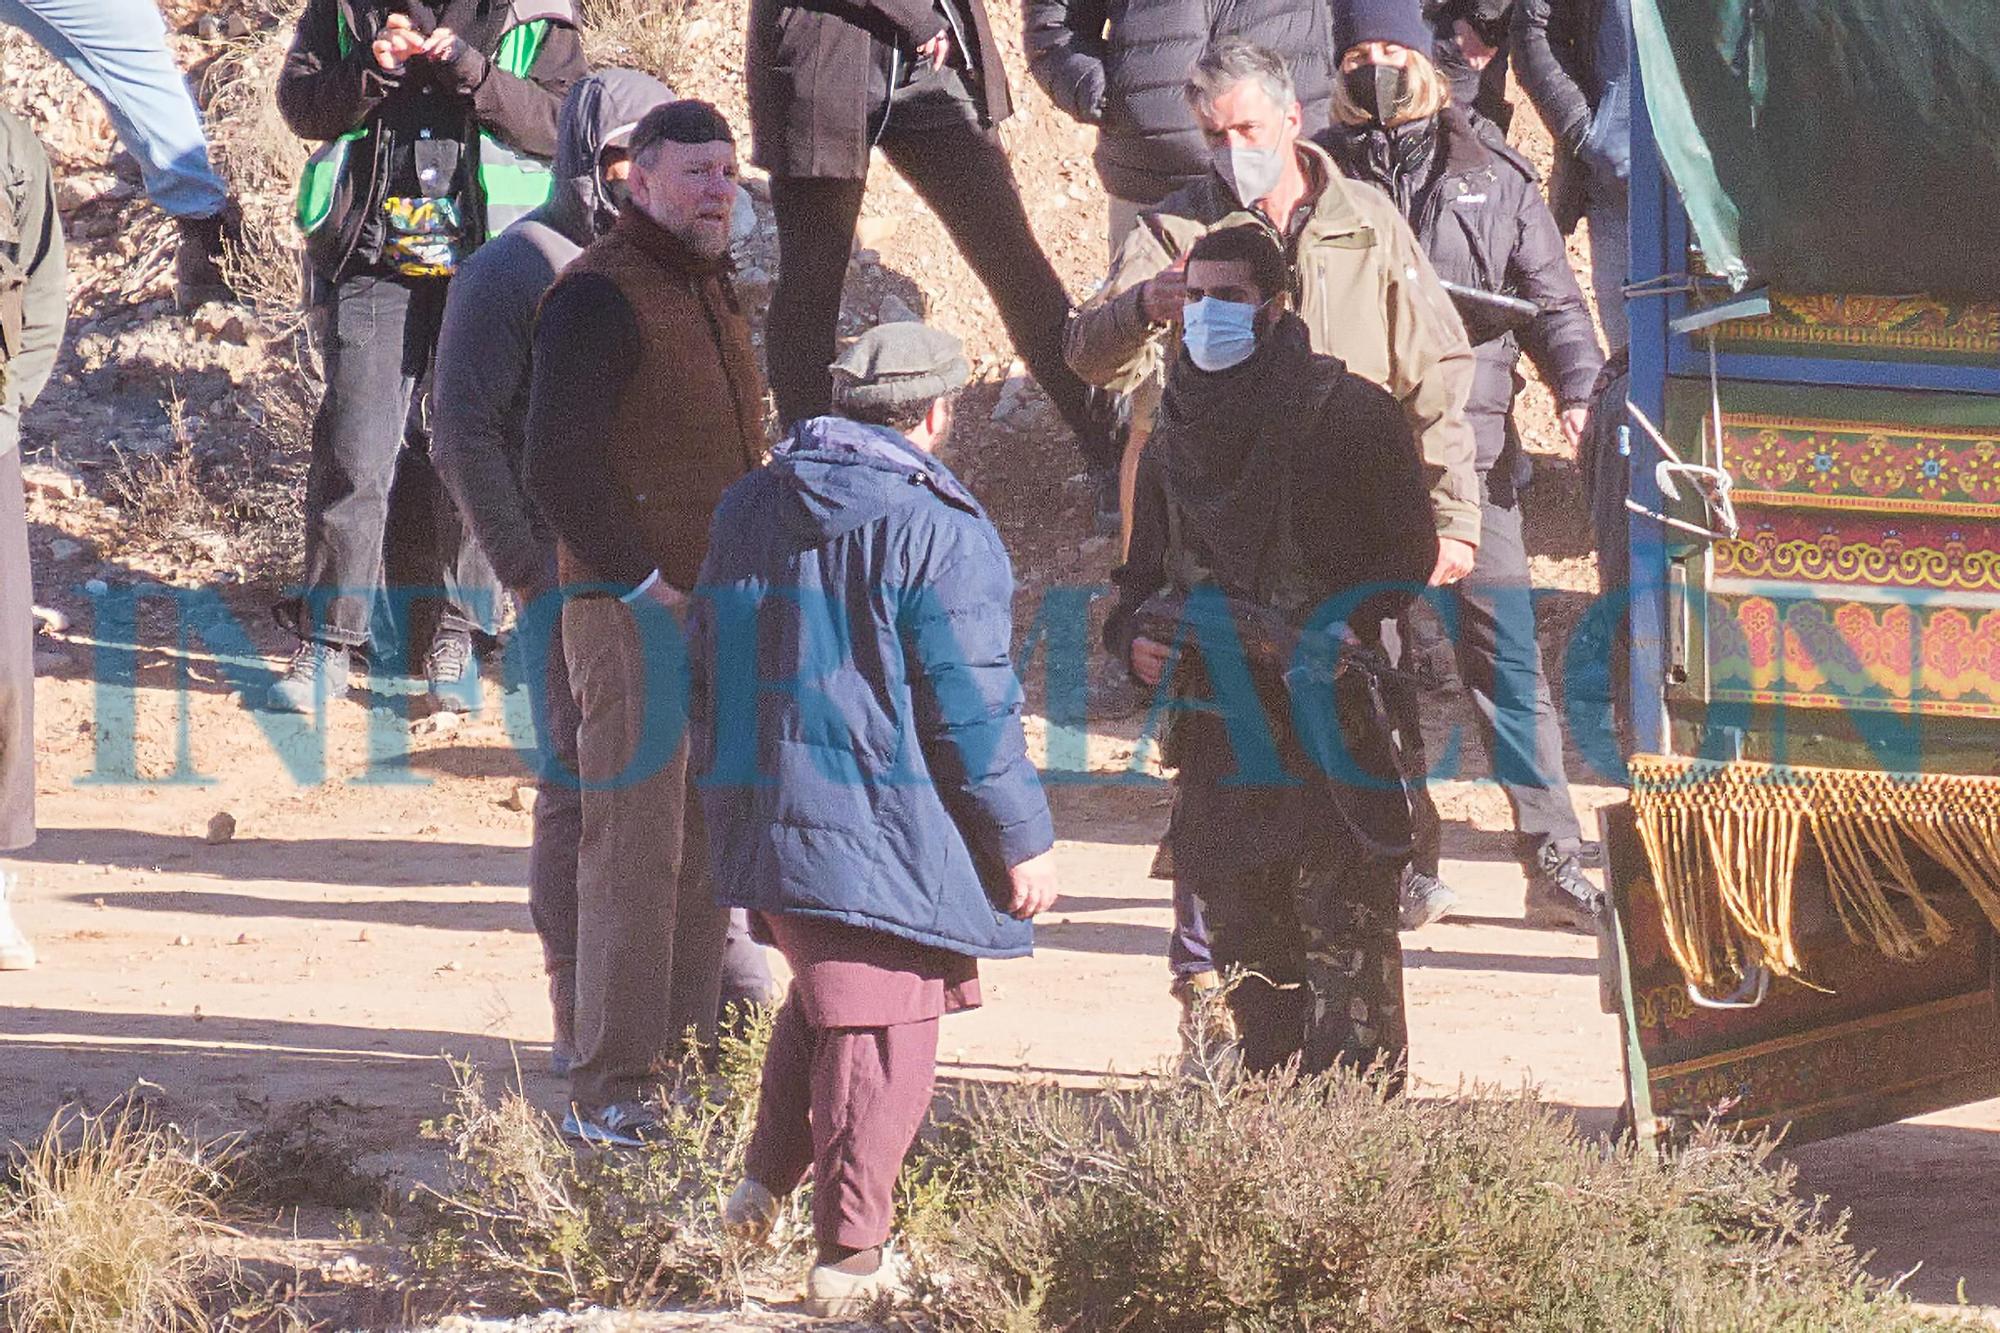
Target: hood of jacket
x=838 y=475
x=597 y=107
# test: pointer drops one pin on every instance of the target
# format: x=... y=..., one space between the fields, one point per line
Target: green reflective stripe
x=341 y=34
x=520 y=47
x=508 y=180
x=321 y=180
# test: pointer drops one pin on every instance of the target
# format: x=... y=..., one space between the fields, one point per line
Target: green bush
x=1278 y=1204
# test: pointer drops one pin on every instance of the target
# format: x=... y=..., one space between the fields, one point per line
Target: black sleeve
x=1551 y=86
x=1144 y=572
x=586 y=345
x=1065 y=41
x=1362 y=508
x=1560 y=340
x=522 y=112
x=323 y=94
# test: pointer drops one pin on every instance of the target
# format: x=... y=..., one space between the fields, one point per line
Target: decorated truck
x=1805 y=883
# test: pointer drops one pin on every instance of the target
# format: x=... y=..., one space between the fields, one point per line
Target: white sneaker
x=832 y=1294
x=16 y=953
x=750 y=1213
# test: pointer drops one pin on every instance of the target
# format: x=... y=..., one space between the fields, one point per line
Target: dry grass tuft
x=638 y=34
x=113 y=1235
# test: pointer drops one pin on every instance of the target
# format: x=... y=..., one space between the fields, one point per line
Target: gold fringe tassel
x=1723 y=840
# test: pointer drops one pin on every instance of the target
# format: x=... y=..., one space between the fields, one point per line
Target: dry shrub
x=1279 y=1204
x=638 y=34
x=526 y=1220
x=115 y=1233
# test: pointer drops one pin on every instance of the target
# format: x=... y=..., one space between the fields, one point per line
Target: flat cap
x=898 y=365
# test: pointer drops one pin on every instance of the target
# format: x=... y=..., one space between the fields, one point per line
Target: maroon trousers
x=850 y=1072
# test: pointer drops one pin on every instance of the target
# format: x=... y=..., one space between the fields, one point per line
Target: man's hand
x=1162 y=295
x=1034 y=882
x=1149 y=660
x=1574 y=419
x=937 y=50
x=1477 y=53
x=1454 y=561
x=398 y=44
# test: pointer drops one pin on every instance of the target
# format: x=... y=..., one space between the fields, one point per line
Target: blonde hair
x=1429 y=93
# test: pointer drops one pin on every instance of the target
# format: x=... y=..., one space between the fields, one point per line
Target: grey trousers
x=17 y=650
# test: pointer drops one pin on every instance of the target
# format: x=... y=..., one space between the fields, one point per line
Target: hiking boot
x=1425 y=899
x=17 y=954
x=198 y=275
x=833 y=1294
x=562 y=1006
x=1208 y=1027
x=620 y=1125
x=751 y=1213
x=317 y=671
x=450 y=678
x=1560 y=897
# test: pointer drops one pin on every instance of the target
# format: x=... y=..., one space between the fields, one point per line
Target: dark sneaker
x=198 y=274
x=1425 y=899
x=620 y=1125
x=317 y=671
x=449 y=675
x=1560 y=897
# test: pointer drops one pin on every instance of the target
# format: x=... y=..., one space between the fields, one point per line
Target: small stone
x=48 y=482
x=451 y=966
x=52 y=621
x=65 y=548
x=245 y=939
x=873 y=233
x=221 y=323
x=438 y=724
x=362 y=938
x=96 y=587
x=895 y=310
x=221 y=828
x=522 y=799
x=182 y=942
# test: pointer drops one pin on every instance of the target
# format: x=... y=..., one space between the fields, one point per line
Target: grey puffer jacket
x=1121 y=65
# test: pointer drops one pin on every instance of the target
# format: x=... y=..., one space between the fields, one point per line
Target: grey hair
x=1230 y=61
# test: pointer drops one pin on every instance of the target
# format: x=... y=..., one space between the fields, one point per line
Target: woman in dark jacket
x=436 y=120
x=1477 y=212
x=1121 y=65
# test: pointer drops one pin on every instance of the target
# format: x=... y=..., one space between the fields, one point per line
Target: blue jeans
x=119 y=48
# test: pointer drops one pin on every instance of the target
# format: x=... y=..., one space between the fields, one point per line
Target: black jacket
x=820 y=74
x=1121 y=65
x=323 y=94
x=1475 y=207
x=1556 y=49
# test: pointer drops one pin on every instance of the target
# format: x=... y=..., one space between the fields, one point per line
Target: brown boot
x=1208 y=1028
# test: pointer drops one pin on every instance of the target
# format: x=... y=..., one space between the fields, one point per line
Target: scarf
x=1225 y=453
x=1403 y=160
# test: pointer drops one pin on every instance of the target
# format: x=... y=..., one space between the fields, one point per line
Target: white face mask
x=1219 y=334
x=1251 y=173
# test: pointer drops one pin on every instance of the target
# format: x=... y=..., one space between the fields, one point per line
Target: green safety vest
x=509 y=184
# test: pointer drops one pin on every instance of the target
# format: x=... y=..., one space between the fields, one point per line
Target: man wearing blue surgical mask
x=1283 y=481
x=1361 y=286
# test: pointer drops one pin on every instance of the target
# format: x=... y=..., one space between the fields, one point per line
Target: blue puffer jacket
x=859 y=725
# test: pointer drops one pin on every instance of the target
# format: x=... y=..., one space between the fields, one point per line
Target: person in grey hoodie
x=484 y=367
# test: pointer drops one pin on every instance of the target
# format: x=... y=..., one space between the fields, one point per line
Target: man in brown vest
x=646 y=404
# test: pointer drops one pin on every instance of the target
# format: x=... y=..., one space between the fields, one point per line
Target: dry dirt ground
x=368 y=916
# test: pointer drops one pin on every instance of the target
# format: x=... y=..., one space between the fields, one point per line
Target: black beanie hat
x=1398 y=21
x=687 y=121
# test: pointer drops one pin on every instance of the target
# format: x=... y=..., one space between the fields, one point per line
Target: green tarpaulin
x=1833 y=145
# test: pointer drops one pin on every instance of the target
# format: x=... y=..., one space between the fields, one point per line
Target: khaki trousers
x=649 y=936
